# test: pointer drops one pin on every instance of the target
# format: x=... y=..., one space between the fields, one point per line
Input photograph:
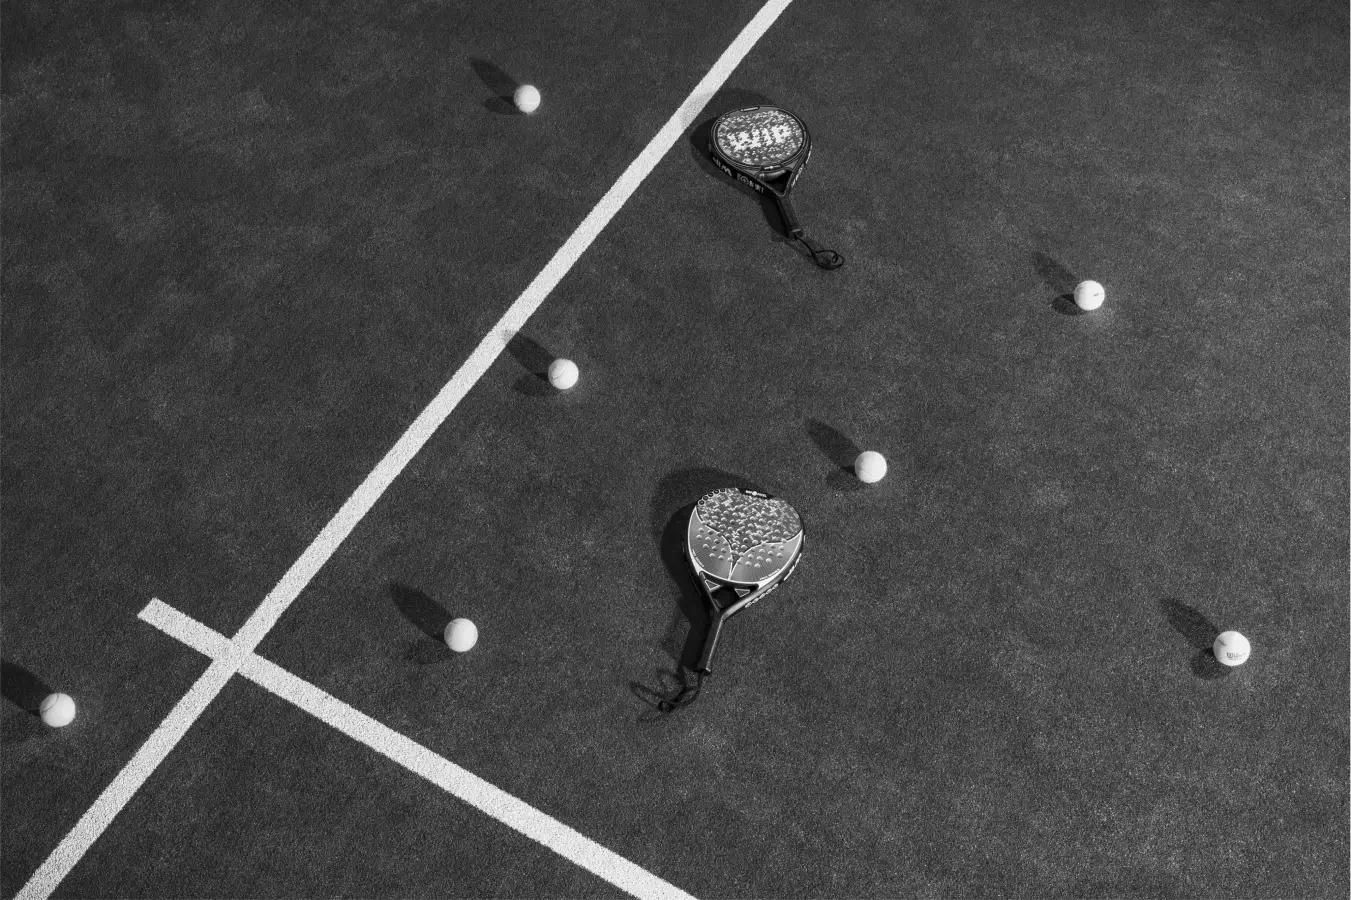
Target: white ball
x=58 y=710
x=461 y=635
x=563 y=373
x=1232 y=648
x=527 y=98
x=1089 y=295
x=870 y=466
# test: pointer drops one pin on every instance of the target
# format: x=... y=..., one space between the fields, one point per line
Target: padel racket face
x=761 y=139
x=742 y=540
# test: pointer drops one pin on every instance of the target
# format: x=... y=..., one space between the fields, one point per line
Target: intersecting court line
x=419 y=760
x=181 y=718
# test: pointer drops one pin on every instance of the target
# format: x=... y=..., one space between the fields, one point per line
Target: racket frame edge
x=759 y=590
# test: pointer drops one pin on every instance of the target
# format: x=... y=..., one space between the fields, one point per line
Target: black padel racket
x=767 y=148
x=741 y=545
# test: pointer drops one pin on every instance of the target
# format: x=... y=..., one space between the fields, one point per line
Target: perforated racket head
x=763 y=138
x=742 y=539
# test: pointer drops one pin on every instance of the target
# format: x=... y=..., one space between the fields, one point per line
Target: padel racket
x=767 y=148
x=741 y=545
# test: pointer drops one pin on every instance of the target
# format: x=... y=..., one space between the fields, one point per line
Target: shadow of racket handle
x=710 y=644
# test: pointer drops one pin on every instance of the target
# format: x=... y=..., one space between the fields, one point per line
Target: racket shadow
x=685 y=628
x=669 y=684
x=682 y=640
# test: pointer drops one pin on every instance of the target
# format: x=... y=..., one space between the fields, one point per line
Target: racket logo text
x=754 y=139
x=727 y=170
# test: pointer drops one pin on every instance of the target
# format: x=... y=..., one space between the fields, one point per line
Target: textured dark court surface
x=245 y=243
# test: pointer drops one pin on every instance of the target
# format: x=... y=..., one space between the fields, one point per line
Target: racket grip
x=790 y=222
x=710 y=644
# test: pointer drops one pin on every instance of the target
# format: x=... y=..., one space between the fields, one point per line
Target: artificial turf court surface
x=245 y=244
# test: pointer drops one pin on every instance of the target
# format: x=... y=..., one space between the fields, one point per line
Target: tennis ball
x=527 y=98
x=1088 y=295
x=461 y=635
x=1232 y=648
x=58 y=710
x=870 y=466
x=563 y=373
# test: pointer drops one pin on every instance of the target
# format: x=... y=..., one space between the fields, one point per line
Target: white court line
x=124 y=786
x=492 y=345
x=514 y=813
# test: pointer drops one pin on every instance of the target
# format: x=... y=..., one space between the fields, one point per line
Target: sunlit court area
x=742 y=449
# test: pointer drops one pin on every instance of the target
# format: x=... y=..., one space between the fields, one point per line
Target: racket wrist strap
x=688 y=694
x=825 y=259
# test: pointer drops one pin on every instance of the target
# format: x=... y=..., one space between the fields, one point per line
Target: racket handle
x=790 y=222
x=710 y=644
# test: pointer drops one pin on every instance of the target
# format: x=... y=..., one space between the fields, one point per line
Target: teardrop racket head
x=759 y=137
x=743 y=539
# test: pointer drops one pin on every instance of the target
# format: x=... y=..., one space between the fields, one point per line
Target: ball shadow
x=26 y=691
x=500 y=83
x=840 y=450
x=1199 y=632
x=1060 y=280
x=427 y=616
x=22 y=688
x=1065 y=305
x=535 y=359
